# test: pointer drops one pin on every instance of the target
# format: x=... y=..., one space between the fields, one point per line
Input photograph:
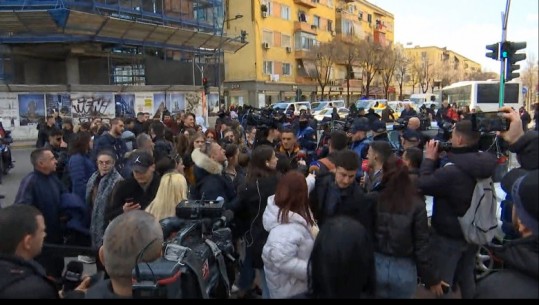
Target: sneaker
x=234 y=289
x=86 y=259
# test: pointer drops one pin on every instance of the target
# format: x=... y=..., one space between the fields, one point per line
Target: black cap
x=361 y=124
x=141 y=161
x=378 y=126
x=411 y=135
x=522 y=185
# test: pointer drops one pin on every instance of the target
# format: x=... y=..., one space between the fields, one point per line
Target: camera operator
x=519 y=277
x=452 y=188
x=267 y=134
x=127 y=237
x=379 y=131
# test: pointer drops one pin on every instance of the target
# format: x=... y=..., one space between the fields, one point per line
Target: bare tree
x=424 y=72
x=402 y=68
x=348 y=55
x=529 y=77
x=388 y=63
x=324 y=56
x=369 y=60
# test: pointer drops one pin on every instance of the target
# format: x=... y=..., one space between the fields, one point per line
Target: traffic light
x=509 y=53
x=494 y=51
x=206 y=85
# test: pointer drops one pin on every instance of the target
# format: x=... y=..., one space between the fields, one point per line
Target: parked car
x=316 y=107
x=326 y=114
x=287 y=107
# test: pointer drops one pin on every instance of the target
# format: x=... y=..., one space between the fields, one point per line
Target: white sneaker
x=86 y=259
x=234 y=289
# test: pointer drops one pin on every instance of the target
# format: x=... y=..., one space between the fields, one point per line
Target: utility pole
x=503 y=62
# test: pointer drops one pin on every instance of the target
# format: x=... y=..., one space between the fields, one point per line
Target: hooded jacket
x=210 y=182
x=24 y=279
x=286 y=252
x=452 y=186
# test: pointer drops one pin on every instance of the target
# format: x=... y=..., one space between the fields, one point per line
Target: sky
x=465 y=26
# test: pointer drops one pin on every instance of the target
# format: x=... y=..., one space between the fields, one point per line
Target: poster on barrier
x=125 y=105
x=160 y=103
x=9 y=110
x=31 y=109
x=177 y=102
x=143 y=102
x=58 y=102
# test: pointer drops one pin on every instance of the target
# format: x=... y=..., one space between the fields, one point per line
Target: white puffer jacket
x=286 y=252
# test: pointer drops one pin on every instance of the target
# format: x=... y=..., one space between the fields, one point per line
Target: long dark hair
x=257 y=166
x=80 y=144
x=341 y=264
x=292 y=195
x=399 y=192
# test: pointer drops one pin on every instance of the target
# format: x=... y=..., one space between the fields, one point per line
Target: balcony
x=306 y=3
x=299 y=54
x=300 y=26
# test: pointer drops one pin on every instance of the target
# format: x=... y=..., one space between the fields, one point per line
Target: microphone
x=365 y=166
x=72 y=277
x=301 y=155
x=227 y=216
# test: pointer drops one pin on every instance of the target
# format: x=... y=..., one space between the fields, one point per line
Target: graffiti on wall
x=193 y=102
x=31 y=109
x=85 y=106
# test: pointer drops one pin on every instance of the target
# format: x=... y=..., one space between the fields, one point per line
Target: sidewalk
x=21 y=144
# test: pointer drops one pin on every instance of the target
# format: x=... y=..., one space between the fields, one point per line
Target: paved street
x=10 y=183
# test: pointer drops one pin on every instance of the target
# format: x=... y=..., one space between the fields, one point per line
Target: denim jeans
x=396 y=277
x=455 y=260
x=264 y=283
x=247 y=273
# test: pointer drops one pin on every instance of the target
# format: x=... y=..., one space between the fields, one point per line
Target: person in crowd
x=137 y=191
x=260 y=183
x=306 y=135
x=231 y=170
x=43 y=190
x=408 y=111
x=377 y=155
x=360 y=142
x=80 y=165
x=139 y=121
x=536 y=116
x=59 y=148
x=210 y=181
x=341 y=264
x=339 y=193
x=410 y=138
x=387 y=114
x=211 y=134
x=401 y=231
x=524 y=117
x=446 y=113
x=519 y=277
x=44 y=130
x=452 y=188
x=143 y=143
x=162 y=147
x=126 y=237
x=113 y=141
x=267 y=135
x=413 y=123
x=128 y=135
x=287 y=152
x=372 y=116
x=196 y=141
x=99 y=190
x=67 y=131
x=379 y=131
x=337 y=142
x=292 y=231
x=21 y=240
x=172 y=190
x=188 y=121
x=250 y=134
x=412 y=158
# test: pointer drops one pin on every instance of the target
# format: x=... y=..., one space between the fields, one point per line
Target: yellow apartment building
x=273 y=66
x=441 y=67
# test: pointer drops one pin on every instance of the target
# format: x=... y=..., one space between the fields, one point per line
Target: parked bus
x=483 y=95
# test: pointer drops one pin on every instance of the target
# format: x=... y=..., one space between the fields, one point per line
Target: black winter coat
x=22 y=279
x=452 y=186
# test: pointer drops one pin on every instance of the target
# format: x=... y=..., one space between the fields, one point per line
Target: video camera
x=199 y=257
x=267 y=117
x=400 y=124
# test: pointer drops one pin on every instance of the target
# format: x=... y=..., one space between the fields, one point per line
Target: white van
x=316 y=107
x=422 y=98
x=291 y=106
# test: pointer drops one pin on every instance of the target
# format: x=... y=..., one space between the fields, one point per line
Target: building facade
x=275 y=65
x=432 y=68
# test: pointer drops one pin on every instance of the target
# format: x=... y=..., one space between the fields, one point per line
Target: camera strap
x=218 y=254
x=192 y=264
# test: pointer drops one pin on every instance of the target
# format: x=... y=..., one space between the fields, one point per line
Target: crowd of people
x=339 y=216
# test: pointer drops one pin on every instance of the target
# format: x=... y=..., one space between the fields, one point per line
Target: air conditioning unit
x=265 y=45
x=264 y=14
x=274 y=77
x=288 y=50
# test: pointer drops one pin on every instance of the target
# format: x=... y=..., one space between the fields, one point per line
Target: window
x=129 y=75
x=285 y=12
x=369 y=18
x=316 y=21
x=305 y=41
x=286 y=69
x=302 y=17
x=286 y=41
x=347 y=27
x=330 y=3
x=268 y=67
x=330 y=25
x=268 y=5
x=267 y=36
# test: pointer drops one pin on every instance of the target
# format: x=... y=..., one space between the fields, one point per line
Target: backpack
x=479 y=223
